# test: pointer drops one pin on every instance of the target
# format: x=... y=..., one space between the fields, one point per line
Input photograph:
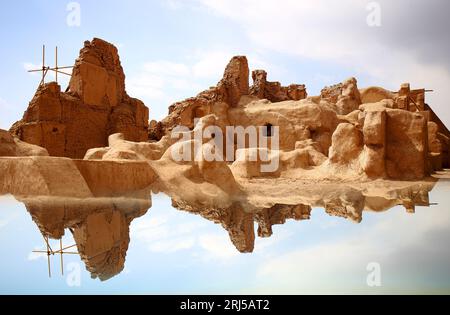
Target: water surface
x=169 y=250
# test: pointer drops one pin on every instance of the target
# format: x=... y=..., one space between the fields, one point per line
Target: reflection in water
x=61 y=251
x=100 y=226
x=343 y=201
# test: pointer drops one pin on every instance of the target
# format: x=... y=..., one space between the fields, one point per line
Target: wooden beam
x=56 y=64
x=48 y=256
x=43 y=62
x=61 y=254
x=44 y=73
x=66 y=67
x=67 y=247
x=47 y=243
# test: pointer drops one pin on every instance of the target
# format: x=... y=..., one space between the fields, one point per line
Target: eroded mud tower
x=94 y=106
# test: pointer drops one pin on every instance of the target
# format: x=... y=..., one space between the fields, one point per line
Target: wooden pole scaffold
x=56 y=69
x=50 y=252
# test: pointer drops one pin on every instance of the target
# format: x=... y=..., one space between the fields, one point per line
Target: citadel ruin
x=347 y=150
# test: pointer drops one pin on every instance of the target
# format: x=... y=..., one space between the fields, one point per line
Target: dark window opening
x=268 y=130
x=55 y=129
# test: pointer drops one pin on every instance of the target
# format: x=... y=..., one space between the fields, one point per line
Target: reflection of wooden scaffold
x=415 y=199
x=45 y=69
x=61 y=251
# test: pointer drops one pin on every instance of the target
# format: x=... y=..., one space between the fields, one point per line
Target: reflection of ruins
x=266 y=208
x=100 y=227
x=347 y=150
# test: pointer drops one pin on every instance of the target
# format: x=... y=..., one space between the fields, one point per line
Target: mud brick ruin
x=94 y=106
x=344 y=130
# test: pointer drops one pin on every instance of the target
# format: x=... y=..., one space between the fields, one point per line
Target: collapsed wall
x=94 y=106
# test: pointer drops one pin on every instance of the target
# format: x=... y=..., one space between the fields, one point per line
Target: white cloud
x=175 y=230
x=162 y=233
x=337 y=32
x=316 y=29
x=218 y=246
x=168 y=68
x=32 y=256
x=281 y=234
x=163 y=82
x=211 y=64
x=172 y=245
x=146 y=85
x=321 y=266
x=31 y=66
x=51 y=75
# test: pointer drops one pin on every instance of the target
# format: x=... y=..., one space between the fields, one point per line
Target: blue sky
x=172 y=49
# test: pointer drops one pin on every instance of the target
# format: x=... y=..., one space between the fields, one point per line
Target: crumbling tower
x=94 y=106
